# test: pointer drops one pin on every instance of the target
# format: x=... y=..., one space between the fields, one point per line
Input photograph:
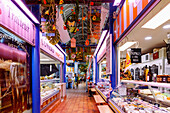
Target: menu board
x=135 y=55
x=108 y=54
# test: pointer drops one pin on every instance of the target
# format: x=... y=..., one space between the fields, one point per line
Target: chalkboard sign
x=135 y=55
x=168 y=52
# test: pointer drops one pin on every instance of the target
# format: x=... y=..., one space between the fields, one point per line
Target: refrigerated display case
x=50 y=91
x=140 y=97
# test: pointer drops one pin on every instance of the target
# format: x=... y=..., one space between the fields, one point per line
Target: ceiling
x=158 y=35
x=44 y=59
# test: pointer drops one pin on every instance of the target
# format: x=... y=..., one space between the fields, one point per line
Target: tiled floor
x=77 y=101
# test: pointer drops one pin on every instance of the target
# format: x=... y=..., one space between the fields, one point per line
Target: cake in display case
x=140 y=97
x=50 y=91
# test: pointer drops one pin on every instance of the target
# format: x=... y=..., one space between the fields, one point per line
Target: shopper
x=67 y=81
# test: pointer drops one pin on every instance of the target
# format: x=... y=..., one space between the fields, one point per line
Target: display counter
x=62 y=86
x=140 y=97
x=50 y=92
x=103 y=95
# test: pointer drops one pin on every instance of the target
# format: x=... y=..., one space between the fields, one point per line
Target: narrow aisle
x=77 y=101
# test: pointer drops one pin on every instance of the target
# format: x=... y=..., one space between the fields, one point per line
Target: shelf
x=164 y=85
x=49 y=80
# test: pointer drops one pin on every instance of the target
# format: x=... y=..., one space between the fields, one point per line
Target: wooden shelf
x=164 y=85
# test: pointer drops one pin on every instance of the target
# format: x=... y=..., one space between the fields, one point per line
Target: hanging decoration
x=49 y=15
x=61 y=12
x=84 y=18
x=61 y=2
x=54 y=38
x=94 y=18
x=91 y=3
x=73 y=42
x=72 y=22
x=87 y=42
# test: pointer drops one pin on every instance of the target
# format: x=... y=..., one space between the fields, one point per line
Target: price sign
x=135 y=55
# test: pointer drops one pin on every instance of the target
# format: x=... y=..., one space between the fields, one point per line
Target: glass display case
x=50 y=91
x=103 y=88
x=140 y=97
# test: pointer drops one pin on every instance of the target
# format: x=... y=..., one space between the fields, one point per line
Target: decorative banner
x=14 y=19
x=135 y=55
x=128 y=60
x=73 y=42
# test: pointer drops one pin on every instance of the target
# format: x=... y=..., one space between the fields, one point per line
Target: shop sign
x=14 y=19
x=50 y=49
x=102 y=51
x=109 y=54
x=135 y=55
x=14 y=44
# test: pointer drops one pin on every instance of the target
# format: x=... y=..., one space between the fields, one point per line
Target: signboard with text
x=109 y=55
x=15 y=20
x=50 y=49
x=135 y=55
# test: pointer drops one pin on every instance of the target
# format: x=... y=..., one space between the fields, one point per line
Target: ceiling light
x=158 y=19
x=44 y=59
x=148 y=38
x=126 y=45
x=27 y=11
x=166 y=26
x=116 y=2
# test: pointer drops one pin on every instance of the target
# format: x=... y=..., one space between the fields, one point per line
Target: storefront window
x=15 y=77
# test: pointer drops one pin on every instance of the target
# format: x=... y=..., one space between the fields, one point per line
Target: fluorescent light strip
x=126 y=46
x=100 y=41
x=166 y=26
x=158 y=19
x=61 y=49
x=27 y=11
x=148 y=38
x=116 y=2
x=44 y=59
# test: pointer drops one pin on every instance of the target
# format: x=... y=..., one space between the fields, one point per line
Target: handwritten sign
x=50 y=49
x=135 y=55
x=15 y=20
